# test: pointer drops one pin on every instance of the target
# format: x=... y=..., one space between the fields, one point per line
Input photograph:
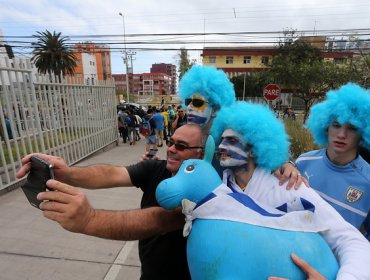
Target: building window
x=212 y=59
x=229 y=59
x=265 y=60
x=247 y=59
x=340 y=60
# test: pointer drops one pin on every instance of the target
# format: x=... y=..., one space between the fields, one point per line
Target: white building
x=89 y=68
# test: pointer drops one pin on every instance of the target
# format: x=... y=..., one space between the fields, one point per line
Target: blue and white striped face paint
x=198 y=111
x=232 y=151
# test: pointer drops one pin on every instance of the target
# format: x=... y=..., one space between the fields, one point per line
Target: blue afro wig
x=259 y=128
x=210 y=83
x=349 y=104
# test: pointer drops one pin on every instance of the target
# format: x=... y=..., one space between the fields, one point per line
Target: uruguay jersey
x=346 y=188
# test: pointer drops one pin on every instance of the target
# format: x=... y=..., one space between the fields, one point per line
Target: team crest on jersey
x=353 y=194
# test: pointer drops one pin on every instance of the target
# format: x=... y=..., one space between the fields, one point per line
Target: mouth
x=171 y=158
x=339 y=144
x=224 y=156
x=196 y=119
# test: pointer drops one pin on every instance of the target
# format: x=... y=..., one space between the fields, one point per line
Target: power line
x=334 y=31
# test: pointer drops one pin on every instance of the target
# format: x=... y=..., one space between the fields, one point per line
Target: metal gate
x=38 y=113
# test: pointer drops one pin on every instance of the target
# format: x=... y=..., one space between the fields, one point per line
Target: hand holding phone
x=41 y=171
x=152 y=153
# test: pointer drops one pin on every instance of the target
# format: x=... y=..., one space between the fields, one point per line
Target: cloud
x=91 y=17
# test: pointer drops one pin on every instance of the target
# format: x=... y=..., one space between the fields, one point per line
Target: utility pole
x=131 y=57
x=125 y=60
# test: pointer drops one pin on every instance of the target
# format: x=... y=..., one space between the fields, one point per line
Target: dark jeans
x=123 y=131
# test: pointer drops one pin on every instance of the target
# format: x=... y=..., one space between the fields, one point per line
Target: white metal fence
x=40 y=114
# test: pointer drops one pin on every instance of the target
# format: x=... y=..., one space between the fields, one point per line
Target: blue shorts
x=151 y=139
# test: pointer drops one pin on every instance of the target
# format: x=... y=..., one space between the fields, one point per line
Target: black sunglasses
x=181 y=146
x=196 y=102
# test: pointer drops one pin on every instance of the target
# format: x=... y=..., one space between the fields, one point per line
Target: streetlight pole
x=125 y=60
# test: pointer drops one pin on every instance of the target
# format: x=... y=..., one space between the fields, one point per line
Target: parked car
x=136 y=108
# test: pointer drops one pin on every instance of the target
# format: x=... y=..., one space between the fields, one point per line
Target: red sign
x=271 y=92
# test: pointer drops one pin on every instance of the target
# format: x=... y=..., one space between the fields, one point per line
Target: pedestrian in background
x=181 y=118
x=171 y=118
x=159 y=127
x=289 y=114
x=122 y=126
x=139 y=120
x=165 y=116
x=131 y=124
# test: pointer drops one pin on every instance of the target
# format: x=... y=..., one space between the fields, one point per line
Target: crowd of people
x=247 y=154
x=156 y=125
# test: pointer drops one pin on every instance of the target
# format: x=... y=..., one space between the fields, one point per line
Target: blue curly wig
x=210 y=83
x=259 y=128
x=349 y=104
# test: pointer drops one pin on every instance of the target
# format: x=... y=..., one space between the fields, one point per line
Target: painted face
x=199 y=112
x=232 y=151
x=343 y=139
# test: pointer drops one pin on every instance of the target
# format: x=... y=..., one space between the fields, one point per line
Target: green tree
x=300 y=67
x=253 y=86
x=360 y=70
x=184 y=62
x=51 y=54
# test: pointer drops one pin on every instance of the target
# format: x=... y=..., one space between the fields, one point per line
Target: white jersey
x=349 y=246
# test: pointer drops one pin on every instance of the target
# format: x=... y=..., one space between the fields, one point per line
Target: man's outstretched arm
x=69 y=207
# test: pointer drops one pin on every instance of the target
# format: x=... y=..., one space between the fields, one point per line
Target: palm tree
x=51 y=54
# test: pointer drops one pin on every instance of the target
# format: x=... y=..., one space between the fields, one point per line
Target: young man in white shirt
x=252 y=143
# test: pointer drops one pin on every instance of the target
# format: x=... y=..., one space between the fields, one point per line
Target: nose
x=171 y=149
x=342 y=133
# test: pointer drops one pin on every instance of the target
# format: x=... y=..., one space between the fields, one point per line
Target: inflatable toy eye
x=190 y=168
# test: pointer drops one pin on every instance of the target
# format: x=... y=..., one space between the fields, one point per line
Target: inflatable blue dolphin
x=222 y=247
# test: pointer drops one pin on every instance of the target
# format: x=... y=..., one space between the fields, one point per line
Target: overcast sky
x=88 y=17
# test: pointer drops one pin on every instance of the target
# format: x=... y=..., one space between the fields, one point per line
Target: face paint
x=232 y=151
x=199 y=112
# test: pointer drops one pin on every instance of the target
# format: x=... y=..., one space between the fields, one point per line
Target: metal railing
x=38 y=113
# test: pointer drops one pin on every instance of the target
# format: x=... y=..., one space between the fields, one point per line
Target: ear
x=210 y=149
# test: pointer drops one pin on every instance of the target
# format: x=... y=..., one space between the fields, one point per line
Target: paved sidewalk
x=33 y=247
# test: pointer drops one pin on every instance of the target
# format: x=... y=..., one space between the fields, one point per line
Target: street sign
x=271 y=92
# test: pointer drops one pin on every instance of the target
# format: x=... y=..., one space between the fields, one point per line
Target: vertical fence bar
x=37 y=116
x=9 y=114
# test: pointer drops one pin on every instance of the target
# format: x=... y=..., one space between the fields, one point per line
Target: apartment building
x=151 y=84
x=235 y=61
x=169 y=69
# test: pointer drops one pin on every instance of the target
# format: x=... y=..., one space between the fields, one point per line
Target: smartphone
x=152 y=153
x=41 y=171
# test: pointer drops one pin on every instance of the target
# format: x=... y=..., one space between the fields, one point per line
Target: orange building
x=101 y=61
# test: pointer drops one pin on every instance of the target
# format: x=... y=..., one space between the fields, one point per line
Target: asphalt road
x=33 y=247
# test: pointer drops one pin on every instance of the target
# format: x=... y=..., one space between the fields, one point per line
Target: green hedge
x=300 y=138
